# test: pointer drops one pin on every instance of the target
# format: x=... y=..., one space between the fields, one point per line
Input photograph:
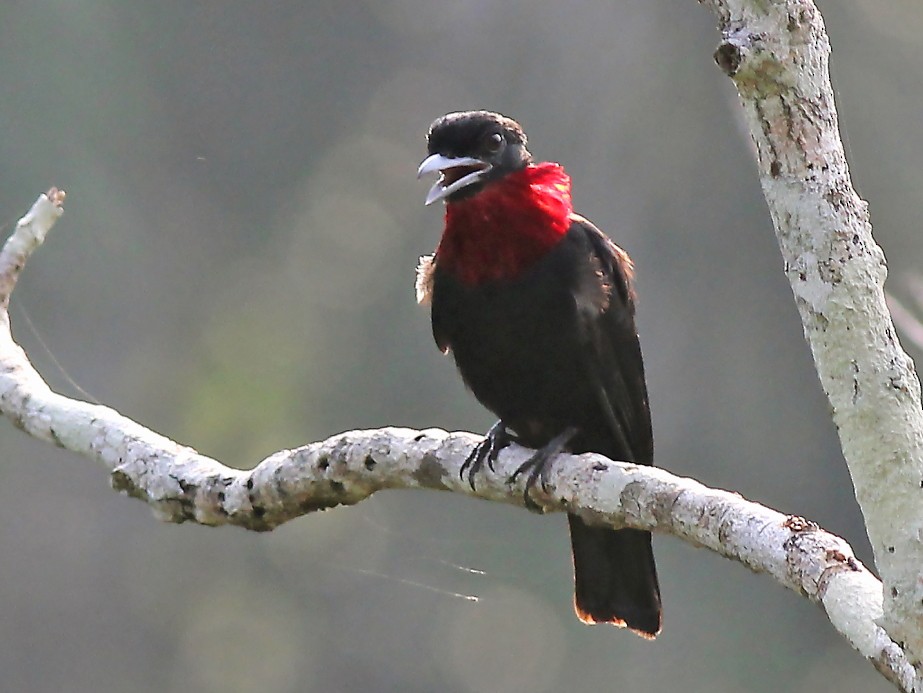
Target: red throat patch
x=508 y=226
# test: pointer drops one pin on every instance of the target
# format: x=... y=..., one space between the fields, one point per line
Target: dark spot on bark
x=798 y=524
x=890 y=549
x=323 y=463
x=310 y=506
x=775 y=168
x=178 y=511
x=728 y=57
x=221 y=496
x=417 y=438
x=369 y=462
x=258 y=512
x=764 y=125
x=55 y=437
x=600 y=467
x=337 y=487
x=789 y=120
x=122 y=482
x=430 y=473
x=840 y=557
x=894 y=591
x=250 y=484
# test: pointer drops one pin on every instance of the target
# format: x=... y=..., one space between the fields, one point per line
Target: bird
x=537 y=307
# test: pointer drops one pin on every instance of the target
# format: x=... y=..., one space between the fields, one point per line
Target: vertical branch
x=776 y=52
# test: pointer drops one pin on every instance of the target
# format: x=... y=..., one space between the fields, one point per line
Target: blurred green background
x=235 y=270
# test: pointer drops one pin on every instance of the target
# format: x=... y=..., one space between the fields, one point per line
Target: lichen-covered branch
x=182 y=485
x=776 y=53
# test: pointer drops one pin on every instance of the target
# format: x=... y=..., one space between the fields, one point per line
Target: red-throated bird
x=537 y=307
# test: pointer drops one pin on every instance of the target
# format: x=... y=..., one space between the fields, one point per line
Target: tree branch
x=182 y=485
x=776 y=52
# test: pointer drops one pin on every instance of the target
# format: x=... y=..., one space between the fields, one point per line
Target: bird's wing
x=427 y=271
x=613 y=354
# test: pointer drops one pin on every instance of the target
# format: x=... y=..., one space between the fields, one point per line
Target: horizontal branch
x=182 y=485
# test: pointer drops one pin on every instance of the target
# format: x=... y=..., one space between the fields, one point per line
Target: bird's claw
x=538 y=466
x=487 y=451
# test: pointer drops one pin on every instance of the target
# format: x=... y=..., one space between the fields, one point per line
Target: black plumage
x=552 y=347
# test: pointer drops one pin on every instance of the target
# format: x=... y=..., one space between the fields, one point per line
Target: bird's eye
x=494 y=142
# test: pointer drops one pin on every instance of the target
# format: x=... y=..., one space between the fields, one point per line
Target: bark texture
x=776 y=52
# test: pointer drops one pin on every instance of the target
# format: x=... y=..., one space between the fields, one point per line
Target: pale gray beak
x=439 y=163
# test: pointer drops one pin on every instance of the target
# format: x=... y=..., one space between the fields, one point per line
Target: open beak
x=455 y=174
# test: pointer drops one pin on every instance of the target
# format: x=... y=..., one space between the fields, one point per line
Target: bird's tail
x=615 y=580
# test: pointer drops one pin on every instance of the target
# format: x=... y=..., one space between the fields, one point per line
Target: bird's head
x=470 y=150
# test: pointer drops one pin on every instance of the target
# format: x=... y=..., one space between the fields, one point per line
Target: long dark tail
x=615 y=580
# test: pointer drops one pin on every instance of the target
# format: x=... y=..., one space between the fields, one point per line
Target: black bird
x=537 y=307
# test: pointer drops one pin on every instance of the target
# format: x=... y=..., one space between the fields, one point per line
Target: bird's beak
x=455 y=174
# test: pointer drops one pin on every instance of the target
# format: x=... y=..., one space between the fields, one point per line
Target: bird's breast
x=506 y=228
x=513 y=340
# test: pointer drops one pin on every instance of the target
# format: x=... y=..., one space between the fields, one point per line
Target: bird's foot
x=487 y=451
x=538 y=465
